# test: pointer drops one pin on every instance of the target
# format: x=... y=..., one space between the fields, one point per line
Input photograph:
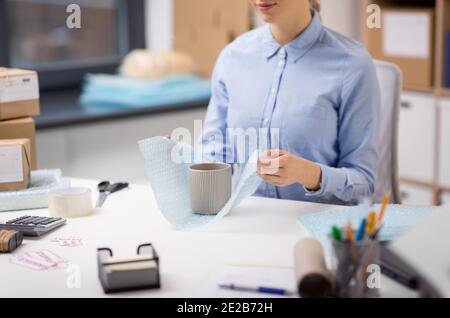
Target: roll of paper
x=312 y=275
x=70 y=202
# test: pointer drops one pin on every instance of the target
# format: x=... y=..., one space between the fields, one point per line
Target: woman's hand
x=280 y=168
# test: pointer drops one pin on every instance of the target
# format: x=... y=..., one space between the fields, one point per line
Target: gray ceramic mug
x=210 y=187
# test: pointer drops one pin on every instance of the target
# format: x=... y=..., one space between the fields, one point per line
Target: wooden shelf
x=419 y=89
x=418 y=183
x=438 y=92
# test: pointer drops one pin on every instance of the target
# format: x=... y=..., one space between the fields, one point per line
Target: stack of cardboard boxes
x=19 y=100
x=202 y=28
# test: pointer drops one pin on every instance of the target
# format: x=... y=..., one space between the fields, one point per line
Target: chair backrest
x=390 y=80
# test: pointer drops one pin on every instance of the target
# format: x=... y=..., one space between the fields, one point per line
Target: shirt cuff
x=333 y=182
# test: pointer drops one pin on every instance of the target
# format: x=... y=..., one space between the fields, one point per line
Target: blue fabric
x=115 y=91
x=447 y=58
x=321 y=91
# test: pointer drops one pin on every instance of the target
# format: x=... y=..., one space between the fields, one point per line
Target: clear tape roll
x=70 y=202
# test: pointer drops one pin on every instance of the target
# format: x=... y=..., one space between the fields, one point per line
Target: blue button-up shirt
x=320 y=91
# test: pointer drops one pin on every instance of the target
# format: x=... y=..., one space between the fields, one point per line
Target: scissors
x=106 y=188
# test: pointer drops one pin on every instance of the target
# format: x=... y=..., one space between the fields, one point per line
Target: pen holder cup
x=356 y=270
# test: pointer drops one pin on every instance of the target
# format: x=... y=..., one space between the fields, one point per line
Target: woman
x=315 y=89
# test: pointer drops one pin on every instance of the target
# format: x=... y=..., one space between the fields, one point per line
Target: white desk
x=258 y=232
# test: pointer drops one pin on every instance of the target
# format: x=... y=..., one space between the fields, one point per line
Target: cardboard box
x=406 y=38
x=202 y=28
x=447 y=60
x=21 y=128
x=19 y=93
x=15 y=164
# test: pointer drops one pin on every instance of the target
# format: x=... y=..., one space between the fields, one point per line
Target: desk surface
x=258 y=232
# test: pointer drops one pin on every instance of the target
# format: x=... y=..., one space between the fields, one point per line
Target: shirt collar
x=299 y=46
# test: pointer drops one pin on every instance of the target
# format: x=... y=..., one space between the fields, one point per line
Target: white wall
x=159 y=24
x=341 y=16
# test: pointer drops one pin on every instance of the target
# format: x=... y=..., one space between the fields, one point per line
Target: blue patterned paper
x=397 y=219
x=170 y=183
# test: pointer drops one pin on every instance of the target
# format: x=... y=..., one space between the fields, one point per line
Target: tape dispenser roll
x=70 y=202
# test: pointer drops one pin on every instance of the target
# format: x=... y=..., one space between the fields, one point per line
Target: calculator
x=33 y=225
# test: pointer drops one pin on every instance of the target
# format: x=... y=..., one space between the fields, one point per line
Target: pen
x=350 y=233
x=336 y=233
x=261 y=289
x=361 y=230
x=370 y=223
x=383 y=209
x=351 y=239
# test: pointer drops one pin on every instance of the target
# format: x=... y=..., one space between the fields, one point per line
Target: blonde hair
x=315 y=4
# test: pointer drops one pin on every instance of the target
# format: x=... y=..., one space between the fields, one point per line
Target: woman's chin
x=268 y=18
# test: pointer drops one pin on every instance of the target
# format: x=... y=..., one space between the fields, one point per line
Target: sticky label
x=11 y=164
x=19 y=88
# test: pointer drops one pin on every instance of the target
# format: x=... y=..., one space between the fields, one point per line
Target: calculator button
x=16 y=219
x=30 y=221
x=24 y=220
x=38 y=220
x=47 y=222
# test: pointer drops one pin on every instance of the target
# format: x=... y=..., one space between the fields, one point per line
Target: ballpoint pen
x=361 y=230
x=259 y=289
x=351 y=241
x=336 y=233
x=350 y=233
x=370 y=223
x=383 y=209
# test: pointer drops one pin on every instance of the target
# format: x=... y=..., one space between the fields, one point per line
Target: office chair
x=390 y=80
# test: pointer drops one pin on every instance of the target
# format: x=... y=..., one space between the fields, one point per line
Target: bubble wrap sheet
x=397 y=219
x=36 y=195
x=170 y=184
